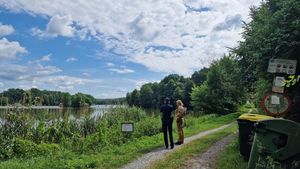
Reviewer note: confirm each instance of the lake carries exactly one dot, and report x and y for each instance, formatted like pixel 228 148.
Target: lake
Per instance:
pixel 42 113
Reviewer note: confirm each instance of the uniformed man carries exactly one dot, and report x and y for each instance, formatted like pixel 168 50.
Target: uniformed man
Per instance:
pixel 167 121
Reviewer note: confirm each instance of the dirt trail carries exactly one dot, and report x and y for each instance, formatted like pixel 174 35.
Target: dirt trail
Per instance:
pixel 207 159
pixel 145 160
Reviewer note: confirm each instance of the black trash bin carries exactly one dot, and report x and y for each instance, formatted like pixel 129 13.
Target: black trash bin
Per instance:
pixel 246 131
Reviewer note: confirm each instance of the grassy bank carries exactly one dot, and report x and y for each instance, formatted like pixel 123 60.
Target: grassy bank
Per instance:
pixel 180 157
pixel 231 158
pixel 109 148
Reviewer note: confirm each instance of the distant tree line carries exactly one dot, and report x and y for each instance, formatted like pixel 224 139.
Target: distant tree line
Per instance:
pixel 115 101
pixel 272 33
pixel 216 89
pixel 44 98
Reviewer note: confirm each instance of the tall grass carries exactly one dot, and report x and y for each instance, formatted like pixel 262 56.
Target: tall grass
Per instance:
pixel 90 142
pixel 231 158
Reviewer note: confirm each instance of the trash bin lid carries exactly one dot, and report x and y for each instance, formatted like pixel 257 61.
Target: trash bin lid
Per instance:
pixel 254 117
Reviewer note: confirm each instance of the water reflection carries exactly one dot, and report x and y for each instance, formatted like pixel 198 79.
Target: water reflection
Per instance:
pixel 49 113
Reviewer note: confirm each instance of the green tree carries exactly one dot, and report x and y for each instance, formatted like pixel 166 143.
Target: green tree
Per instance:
pixel 66 99
pixel 146 96
pixel 3 101
pixel 27 98
pixel 273 32
pixel 222 92
pixel 200 76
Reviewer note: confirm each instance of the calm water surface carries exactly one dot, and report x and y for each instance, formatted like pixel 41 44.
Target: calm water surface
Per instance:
pixel 42 113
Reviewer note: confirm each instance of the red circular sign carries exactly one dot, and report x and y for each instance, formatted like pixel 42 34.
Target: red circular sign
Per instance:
pixel 276 104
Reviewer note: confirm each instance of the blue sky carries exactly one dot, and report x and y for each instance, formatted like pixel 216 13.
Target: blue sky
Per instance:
pixel 109 48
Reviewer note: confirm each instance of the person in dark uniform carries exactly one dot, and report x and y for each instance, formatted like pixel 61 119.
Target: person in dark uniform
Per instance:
pixel 167 121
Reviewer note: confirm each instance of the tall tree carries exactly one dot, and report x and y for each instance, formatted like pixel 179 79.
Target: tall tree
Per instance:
pixel 146 96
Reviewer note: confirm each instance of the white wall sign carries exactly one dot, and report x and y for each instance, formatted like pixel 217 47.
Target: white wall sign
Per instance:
pixel 282 66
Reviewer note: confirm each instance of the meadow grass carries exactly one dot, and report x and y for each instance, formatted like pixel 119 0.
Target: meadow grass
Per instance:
pixel 119 155
pixel 231 158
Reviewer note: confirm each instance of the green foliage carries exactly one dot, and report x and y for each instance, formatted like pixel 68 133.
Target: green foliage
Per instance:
pixel 292 80
pixel 98 150
pixel 146 94
pixel 151 95
pixel 50 98
pixel 262 87
pixel 199 77
pixel 272 33
pixel 222 92
pixel 147 127
pixel 18 133
pixel 3 101
pixel 116 101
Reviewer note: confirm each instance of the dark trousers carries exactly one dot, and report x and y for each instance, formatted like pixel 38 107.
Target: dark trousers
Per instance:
pixel 167 127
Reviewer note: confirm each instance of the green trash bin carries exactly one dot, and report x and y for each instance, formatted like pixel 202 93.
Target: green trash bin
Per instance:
pixel 246 131
pixel 275 145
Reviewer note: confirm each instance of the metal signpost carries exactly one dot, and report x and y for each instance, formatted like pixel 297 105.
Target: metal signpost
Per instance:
pixel 276 103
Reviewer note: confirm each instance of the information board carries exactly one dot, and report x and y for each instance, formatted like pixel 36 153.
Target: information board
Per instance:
pixel 282 66
pixel 127 127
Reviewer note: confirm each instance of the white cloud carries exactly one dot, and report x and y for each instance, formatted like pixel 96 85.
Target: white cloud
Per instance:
pixel 46 58
pixel 121 70
pixel 173 36
pixel 109 64
pixel 10 50
pixel 57 26
pixel 62 82
pixel 6 29
pixel 71 59
pixel 1 84
pixel 86 74
pixel 46 70
pixel 26 76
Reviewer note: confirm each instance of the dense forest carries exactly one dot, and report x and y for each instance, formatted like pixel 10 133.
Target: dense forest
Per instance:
pixel 44 98
pixel 272 33
pixel 115 101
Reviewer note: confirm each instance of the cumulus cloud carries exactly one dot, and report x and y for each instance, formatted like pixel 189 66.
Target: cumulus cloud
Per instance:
pixel 6 29
pixel 61 82
pixel 57 26
pixel 172 36
pixel 12 71
pixel 10 49
pixel 26 76
pixel 46 70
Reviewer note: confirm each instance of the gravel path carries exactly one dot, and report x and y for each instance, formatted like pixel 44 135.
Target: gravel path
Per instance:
pixel 145 160
pixel 207 159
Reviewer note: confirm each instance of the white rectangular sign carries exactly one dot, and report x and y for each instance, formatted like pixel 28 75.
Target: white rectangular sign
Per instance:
pixel 127 127
pixel 282 66
pixel 278 81
pixel 275 100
